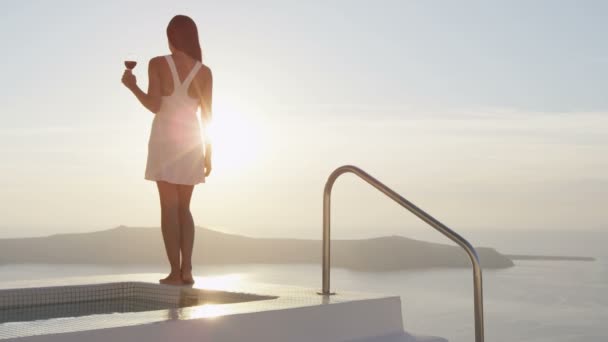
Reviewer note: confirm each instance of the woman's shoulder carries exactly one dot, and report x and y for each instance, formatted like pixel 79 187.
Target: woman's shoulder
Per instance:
pixel 157 62
pixel 205 68
pixel 205 71
pixel 156 58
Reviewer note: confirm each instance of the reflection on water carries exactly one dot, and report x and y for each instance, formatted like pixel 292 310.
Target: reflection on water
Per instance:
pixel 533 301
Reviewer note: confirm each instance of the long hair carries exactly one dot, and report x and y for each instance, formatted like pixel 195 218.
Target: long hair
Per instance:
pixel 183 35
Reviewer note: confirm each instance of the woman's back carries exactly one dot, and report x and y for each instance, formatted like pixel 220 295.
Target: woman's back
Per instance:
pixel 183 65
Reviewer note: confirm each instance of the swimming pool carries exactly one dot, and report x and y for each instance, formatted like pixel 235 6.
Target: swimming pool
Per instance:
pixel 31 304
pixel 221 309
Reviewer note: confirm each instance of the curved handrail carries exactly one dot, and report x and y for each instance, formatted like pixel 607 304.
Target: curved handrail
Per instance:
pixel 452 235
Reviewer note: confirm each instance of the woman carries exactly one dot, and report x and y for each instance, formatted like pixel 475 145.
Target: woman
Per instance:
pixel 177 158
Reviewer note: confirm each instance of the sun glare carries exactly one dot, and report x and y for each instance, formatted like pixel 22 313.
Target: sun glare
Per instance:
pixel 236 139
pixel 207 311
pixel 224 282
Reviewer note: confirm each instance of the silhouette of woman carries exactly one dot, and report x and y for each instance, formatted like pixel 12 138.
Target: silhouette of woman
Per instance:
pixel 177 157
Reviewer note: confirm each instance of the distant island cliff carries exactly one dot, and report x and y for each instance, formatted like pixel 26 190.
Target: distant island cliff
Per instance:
pixel 127 245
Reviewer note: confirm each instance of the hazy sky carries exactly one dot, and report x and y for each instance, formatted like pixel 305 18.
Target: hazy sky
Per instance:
pixel 488 114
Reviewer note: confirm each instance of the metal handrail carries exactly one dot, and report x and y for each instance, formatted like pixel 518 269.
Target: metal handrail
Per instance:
pixel 452 235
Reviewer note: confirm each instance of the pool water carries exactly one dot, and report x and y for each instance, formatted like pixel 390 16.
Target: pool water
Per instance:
pixel 84 308
pixel 32 304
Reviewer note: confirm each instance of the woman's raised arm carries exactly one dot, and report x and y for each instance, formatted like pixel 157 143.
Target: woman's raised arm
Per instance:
pixel 152 99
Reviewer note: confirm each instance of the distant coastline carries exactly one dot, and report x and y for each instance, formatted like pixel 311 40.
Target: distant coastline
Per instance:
pixel 548 257
pixel 144 246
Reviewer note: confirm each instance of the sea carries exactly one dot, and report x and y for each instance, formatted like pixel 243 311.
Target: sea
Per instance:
pixel 534 301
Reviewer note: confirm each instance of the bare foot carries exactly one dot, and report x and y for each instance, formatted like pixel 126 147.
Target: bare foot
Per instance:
pixel 187 277
pixel 172 279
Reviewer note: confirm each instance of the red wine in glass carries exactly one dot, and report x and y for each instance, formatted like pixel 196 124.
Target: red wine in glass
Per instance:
pixel 130 64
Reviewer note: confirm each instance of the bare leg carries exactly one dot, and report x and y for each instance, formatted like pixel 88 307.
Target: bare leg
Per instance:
pixel 187 231
pixel 169 208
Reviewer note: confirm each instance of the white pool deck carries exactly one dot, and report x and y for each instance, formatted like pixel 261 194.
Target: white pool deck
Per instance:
pixel 287 313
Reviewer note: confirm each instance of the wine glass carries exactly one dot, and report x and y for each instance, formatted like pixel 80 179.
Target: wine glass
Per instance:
pixel 130 62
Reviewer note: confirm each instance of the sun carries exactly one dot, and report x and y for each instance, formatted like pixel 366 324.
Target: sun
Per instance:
pixel 235 136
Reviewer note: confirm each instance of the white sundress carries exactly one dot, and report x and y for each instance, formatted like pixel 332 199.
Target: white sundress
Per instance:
pixel 175 148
